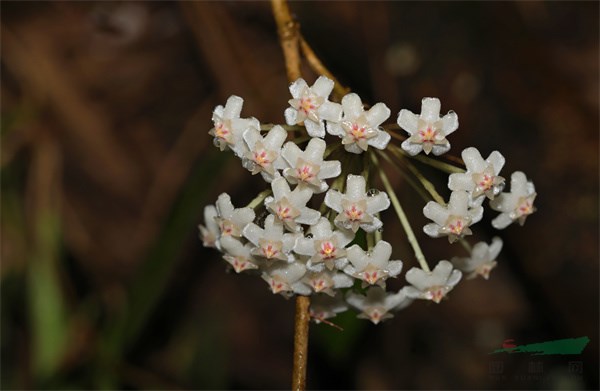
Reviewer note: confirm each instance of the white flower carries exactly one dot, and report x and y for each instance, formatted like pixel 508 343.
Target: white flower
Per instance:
pixel 286 279
pixel 307 168
pixel 238 255
pixel 482 259
pixel 356 208
pixel 481 177
pixel 290 206
pixel 372 267
pixel 229 126
pixel 324 307
pixel 515 205
pixel 310 105
pixel 327 280
pixel 325 247
pixel 264 152
pixel 231 220
pixel 271 243
pixel 432 285
pixel 359 129
pixel 210 233
pixel 452 220
pixel 377 304
pixel 427 131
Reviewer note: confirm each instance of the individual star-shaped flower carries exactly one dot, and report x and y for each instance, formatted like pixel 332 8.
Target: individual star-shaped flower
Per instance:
pixel 372 267
pixel 452 220
pixel 481 177
pixel 427 131
pixel 286 279
pixel 310 105
pixel 482 259
pixel 359 129
pixel 378 304
pixel 290 206
pixel 515 205
pixel 238 255
pixel 271 243
pixel 324 246
pixel 356 208
pixel 307 168
pixel 229 126
pixel 264 152
pixel 432 285
pixel 327 280
pixel 210 233
pixel 324 307
pixel 232 220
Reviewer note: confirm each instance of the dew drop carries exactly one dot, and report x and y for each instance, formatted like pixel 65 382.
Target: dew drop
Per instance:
pixel 216 142
pixel 372 192
pixel 248 164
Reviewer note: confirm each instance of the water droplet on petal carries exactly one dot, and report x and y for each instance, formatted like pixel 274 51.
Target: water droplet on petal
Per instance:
pixel 372 192
pixel 217 142
pixel 380 229
pixel 248 164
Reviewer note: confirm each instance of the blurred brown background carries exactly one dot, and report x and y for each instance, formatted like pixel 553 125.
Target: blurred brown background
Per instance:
pixel 107 164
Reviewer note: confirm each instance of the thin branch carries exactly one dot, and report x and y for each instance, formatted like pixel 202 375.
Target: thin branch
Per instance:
pixel 301 343
pixel 288 37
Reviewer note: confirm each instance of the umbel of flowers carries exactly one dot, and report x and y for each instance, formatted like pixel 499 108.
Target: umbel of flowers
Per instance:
pixel 322 234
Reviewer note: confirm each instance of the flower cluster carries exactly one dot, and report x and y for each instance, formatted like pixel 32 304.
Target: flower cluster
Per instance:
pixel 322 232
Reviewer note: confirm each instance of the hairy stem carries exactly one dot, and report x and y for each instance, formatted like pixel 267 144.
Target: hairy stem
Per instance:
pixel 288 37
pixel 301 343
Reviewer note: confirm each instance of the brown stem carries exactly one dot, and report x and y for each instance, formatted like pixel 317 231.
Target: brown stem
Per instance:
pixel 301 343
pixel 315 63
pixel 288 37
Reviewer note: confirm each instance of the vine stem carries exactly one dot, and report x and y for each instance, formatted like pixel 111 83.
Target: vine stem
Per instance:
pixel 289 39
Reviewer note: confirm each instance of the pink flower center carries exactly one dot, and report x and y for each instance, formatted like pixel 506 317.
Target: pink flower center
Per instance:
pixel 358 132
pixel 354 213
pixel 222 132
pixel 428 135
pixel 307 105
pixel 456 226
pixel 261 158
pixel 269 251
pixel 327 250
pixel 305 173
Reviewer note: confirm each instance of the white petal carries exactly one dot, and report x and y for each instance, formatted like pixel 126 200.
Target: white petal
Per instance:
pixel 476 213
pixel 314 150
pixel 330 169
pixel 381 140
pixel 419 278
pixel 308 216
pixel 408 121
pixel 330 111
pixel 304 246
pixel 413 293
pixel 357 257
pixel 335 129
pixel 233 107
pixel 454 278
pixel 342 280
pixel 289 241
pixel 291 116
pixel 301 288
pixel 497 161
pixel 504 202
pixel 458 204
pixel 449 123
pixel 380 254
pixel 480 251
pixel 432 230
pixel 502 221
pixel 430 109
pixel 280 188
pixel 275 138
pixel 355 187
pixel 411 148
pixel 297 88
pixel 291 152
pixel 495 247
pixel 323 86
pixel 242 216
pixel 210 212
pixel 232 246
pixel 378 202
pixel 353 148
pixel 251 136
pixel 253 233
pixel 373 226
pixel 394 268
pixel 440 149
pixel 436 212
pixel 353 107
pixel 224 205
pixel 459 181
pixel 440 273
pixel 378 114
pixel 322 229
pixel 315 129
pixel 333 199
pixel 473 160
pixel 518 183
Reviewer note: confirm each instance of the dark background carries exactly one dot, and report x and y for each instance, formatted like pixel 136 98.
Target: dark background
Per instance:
pixel 107 165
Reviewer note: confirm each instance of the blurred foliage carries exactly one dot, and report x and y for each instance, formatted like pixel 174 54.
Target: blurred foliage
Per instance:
pixel 106 166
